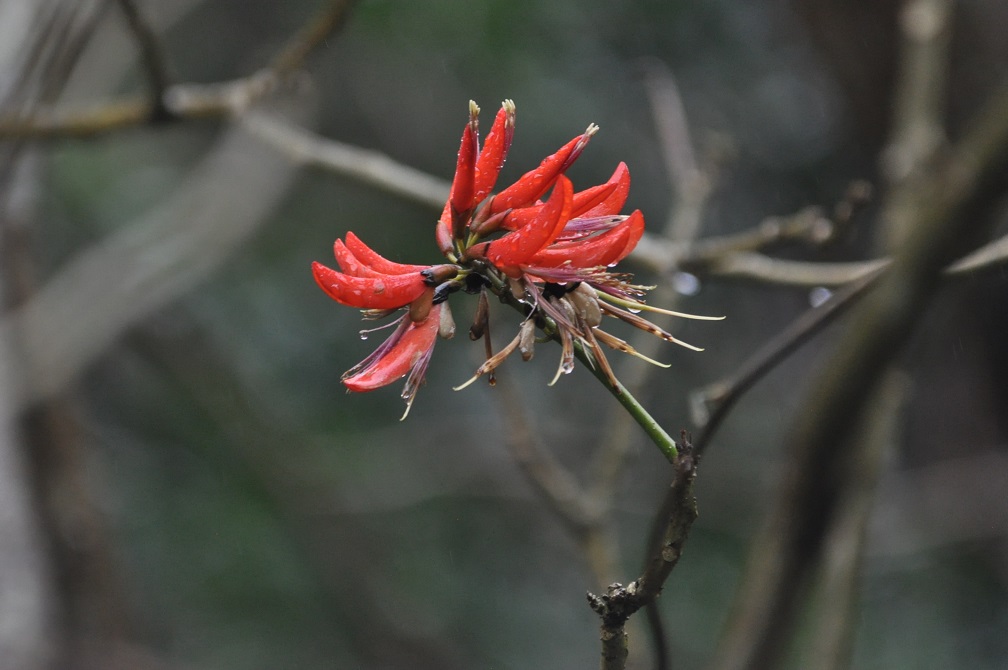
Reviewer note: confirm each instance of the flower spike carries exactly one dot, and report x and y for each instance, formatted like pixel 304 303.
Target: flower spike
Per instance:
pixel 551 259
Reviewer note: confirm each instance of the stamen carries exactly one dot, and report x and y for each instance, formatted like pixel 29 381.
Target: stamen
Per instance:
pixel 599 356
pixel 633 304
pixel 493 362
pixel 566 357
pixel 644 324
pixel 622 345
pixel 415 380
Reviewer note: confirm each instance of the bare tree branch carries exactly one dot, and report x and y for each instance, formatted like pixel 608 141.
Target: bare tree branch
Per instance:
pixel 817 455
pixel 834 609
pixel 364 165
pixel 152 55
pixel 181 101
pixel 151 261
pixel 619 603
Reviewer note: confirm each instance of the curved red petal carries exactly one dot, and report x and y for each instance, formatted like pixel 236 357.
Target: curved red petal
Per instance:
pixel 636 226
pixel 519 246
pixel 585 200
pixel 607 248
pixel 396 363
pixel 614 202
pixel 349 264
pixel 376 261
pixel 462 187
pixel 380 292
pixel 494 152
pixel 582 202
pixel 534 183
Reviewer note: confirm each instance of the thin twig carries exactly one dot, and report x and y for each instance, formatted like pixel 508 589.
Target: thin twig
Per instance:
pixel 189 102
pixel 364 165
pixel 690 188
pixel 921 82
pixel 328 22
pixel 153 56
pixel 711 404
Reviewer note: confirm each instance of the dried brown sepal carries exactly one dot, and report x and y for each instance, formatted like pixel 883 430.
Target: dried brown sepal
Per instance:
pixel 481 322
pixel 446 326
pixel 586 304
pixel 526 339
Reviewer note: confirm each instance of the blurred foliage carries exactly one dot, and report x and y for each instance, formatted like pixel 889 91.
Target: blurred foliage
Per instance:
pixel 266 519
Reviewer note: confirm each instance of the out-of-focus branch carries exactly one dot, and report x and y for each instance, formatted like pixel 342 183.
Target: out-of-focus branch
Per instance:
pixel 77 313
pixel 364 165
pixel 328 22
pixel 180 101
pixel 152 55
pixel 918 123
pixel 834 610
pixel 755 266
pixel 711 404
pixel 585 517
pixel 818 456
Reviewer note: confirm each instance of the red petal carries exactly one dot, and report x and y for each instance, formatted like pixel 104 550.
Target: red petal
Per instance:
pixel 614 202
pixel 462 188
pixel 400 358
pixel 581 202
pixel 380 292
pixel 535 183
pixel 376 261
pixel 590 197
pixel 495 149
pixel 607 248
pixel 519 246
pixel 349 264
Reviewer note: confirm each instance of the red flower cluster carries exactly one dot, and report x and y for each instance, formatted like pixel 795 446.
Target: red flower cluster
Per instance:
pixel 551 262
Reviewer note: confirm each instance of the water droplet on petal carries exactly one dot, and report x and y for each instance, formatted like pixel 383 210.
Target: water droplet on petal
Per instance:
pixel 364 334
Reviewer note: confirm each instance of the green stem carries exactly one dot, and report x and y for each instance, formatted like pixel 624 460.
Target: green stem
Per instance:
pixel 662 440
pixel 653 429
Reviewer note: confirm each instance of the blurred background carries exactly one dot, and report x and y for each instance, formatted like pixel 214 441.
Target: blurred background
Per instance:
pixel 186 483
